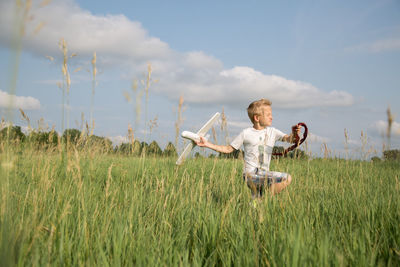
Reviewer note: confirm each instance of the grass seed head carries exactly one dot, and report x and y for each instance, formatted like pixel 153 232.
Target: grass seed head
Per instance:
pixel 94 60
pixel 131 135
pixel 39 27
pixel 92 130
pixel 45 3
pixel 179 120
pixel 24 116
pixel 390 122
pixel 134 85
pixel 127 96
pixel 214 134
pixel 153 124
pixel 50 58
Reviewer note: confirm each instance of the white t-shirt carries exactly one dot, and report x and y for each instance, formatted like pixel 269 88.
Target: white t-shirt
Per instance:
pixel 258 145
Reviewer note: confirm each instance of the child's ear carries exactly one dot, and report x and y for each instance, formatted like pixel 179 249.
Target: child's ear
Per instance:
pixel 256 118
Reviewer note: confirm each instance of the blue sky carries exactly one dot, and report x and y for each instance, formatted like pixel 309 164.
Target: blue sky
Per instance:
pixel 332 64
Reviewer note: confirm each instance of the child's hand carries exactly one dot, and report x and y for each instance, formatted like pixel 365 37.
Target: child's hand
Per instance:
pixel 203 142
pixel 296 131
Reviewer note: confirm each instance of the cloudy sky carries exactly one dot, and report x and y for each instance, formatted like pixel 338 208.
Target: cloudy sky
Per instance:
pixel 331 64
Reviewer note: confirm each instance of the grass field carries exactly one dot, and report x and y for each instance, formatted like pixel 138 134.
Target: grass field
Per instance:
pixel 86 208
pixel 100 210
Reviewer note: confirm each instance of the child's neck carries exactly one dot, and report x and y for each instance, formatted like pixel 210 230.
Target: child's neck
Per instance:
pixel 257 126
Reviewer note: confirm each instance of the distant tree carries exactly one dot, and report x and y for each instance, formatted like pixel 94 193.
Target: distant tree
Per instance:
pixel 129 149
pixel 84 141
pixel 97 142
pixel 53 138
pixel 393 154
pixel 43 139
pixel 38 138
pixel 122 148
pixel 376 159
pixel 136 148
pixel 154 149
pixel 15 134
pixel 296 153
pixel 233 155
pixel 144 147
pixel 71 136
pixel 170 150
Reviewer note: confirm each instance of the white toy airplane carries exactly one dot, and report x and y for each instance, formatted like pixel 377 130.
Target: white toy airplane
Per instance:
pixel 195 137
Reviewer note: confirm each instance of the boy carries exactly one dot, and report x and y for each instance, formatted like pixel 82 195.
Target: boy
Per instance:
pixel 258 142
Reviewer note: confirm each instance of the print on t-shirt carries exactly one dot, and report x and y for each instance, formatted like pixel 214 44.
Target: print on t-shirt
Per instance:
pixel 257 146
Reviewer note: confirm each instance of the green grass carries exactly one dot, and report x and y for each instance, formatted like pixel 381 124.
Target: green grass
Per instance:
pixel 113 210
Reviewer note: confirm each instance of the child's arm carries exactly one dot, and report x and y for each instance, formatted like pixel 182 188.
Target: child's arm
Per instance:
pixel 223 149
pixel 294 136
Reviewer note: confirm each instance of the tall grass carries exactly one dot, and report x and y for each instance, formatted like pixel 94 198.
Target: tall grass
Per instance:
pixel 94 74
pixel 179 120
pixel 111 210
pixel 390 120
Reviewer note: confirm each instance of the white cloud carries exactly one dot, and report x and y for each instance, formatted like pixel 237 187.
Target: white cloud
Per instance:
pixel 113 36
pixel 199 77
pixel 119 139
pixel 23 102
pixel 199 60
pixel 49 82
pixel 385 45
pixel 354 142
pixel 379 46
pixel 380 127
pixel 24 129
pixel 241 85
pixel 313 138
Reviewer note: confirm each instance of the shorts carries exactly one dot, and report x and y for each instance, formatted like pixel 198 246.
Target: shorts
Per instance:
pixel 260 178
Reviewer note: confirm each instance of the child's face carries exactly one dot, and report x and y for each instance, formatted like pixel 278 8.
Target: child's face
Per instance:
pixel 265 119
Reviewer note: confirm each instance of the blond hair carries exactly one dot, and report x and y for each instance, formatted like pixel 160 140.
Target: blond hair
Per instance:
pixel 255 108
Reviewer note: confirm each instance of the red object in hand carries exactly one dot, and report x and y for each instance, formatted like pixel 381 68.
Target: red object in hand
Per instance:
pixel 298 141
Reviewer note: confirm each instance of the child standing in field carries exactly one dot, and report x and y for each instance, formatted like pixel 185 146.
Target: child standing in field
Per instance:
pixel 258 142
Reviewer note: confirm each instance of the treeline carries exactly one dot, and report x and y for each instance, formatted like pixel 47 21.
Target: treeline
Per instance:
pixel 50 140
pixel 142 148
pixel 388 155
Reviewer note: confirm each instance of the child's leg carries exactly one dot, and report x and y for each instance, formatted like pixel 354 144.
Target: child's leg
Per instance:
pixel 275 181
pixel 279 181
pixel 256 184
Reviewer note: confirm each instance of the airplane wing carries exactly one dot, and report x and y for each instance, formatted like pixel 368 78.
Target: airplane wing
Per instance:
pixel 185 153
pixel 208 124
pixel 203 130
